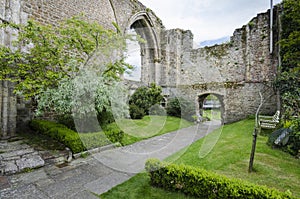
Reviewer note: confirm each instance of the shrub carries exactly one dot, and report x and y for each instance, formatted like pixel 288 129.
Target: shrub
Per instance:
pixel 67 120
pixel 157 110
pixel 204 184
pixel 105 118
pixel 145 97
pixel 136 112
pixel 59 132
pixel 76 142
pixel 180 107
pixel 293 145
pixel 114 133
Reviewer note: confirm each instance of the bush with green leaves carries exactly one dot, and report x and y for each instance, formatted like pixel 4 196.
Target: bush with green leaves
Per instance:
pixel 157 110
pixel 293 145
pixel 59 132
pixel 143 99
pixel 114 133
pixel 182 108
pixel 200 183
pixel 136 112
pixel 77 142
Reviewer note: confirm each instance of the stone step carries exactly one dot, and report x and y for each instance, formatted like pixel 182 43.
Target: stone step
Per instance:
pixel 17 157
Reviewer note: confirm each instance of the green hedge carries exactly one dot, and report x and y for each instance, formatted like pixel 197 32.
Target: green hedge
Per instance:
pixel 59 132
pixel 204 184
pixel 77 143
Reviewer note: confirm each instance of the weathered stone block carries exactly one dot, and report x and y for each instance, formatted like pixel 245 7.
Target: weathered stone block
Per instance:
pixel 30 161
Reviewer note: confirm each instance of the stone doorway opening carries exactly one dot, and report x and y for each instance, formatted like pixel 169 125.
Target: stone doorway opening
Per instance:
pixel 144 53
pixel 211 105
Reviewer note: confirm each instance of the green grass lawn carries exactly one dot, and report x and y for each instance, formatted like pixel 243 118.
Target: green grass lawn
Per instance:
pixel 230 157
pixel 213 114
pixel 149 126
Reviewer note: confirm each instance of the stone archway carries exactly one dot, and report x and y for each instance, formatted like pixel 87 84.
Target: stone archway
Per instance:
pixel 201 104
pixel 150 51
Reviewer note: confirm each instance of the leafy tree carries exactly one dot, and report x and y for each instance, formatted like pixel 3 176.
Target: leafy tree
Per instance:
pixel 46 54
pixel 143 98
pixel 73 68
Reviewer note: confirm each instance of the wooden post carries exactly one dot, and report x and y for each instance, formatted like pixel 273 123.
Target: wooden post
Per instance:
pixel 255 132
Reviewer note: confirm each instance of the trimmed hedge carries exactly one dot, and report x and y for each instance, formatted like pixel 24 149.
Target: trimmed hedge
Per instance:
pixel 59 132
pixel 77 143
pixel 204 184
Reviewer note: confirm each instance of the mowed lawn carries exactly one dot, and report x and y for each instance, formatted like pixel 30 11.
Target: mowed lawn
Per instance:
pixel 230 157
pixel 149 126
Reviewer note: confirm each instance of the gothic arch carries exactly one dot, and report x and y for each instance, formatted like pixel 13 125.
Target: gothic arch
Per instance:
pixel 150 51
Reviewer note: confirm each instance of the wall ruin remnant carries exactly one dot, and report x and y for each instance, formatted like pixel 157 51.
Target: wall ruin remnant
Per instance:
pixel 236 71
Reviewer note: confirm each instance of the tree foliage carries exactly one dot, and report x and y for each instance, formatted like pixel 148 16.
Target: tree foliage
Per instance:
pixel 288 81
pixel 44 54
pixel 73 68
pixel 143 98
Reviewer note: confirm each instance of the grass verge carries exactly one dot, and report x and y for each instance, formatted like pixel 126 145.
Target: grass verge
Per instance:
pixel 230 157
pixel 149 126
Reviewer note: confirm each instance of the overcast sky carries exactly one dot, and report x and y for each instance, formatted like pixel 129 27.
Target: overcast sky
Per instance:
pixel 207 19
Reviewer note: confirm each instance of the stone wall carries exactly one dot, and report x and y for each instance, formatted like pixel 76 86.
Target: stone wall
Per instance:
pixel 123 12
pixel 235 71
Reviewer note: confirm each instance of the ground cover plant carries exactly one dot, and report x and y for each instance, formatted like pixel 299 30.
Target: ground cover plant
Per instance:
pixel 230 157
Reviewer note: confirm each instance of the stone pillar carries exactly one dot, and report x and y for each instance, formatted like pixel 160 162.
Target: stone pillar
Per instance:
pixel 10 11
pixel 8 109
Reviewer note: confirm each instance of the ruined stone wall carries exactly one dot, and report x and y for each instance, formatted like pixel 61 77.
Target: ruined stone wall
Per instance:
pixel 53 11
pixel 237 70
pixel 122 12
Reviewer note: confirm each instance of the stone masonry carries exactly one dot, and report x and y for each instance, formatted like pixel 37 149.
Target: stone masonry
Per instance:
pixel 235 72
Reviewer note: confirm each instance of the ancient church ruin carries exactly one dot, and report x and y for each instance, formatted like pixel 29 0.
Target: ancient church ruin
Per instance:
pixel 235 72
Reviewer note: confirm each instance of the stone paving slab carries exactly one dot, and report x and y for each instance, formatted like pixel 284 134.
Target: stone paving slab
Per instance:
pixel 16 156
pixel 96 174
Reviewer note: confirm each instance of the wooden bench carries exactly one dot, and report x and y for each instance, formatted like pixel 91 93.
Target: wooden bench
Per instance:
pixel 269 122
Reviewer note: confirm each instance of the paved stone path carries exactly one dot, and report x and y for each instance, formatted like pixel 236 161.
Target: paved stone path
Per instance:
pixel 96 174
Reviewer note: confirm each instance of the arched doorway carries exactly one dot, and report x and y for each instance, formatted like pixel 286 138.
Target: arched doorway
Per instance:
pixel 211 105
pixel 133 57
pixel 142 25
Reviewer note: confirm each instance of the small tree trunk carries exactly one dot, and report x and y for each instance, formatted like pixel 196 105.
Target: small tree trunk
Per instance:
pixel 255 133
pixel 253 150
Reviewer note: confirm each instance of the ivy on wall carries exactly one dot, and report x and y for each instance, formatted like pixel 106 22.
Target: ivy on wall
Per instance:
pixel 288 81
